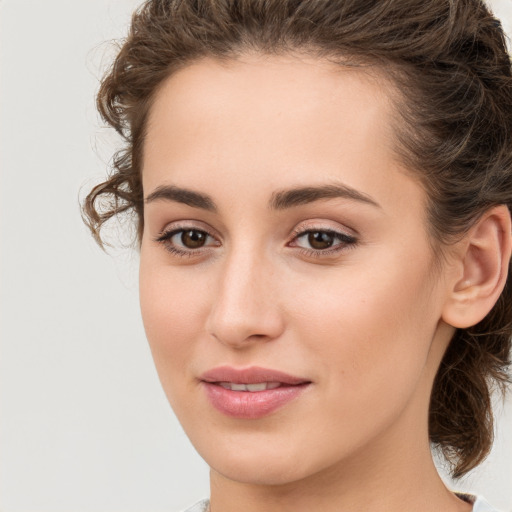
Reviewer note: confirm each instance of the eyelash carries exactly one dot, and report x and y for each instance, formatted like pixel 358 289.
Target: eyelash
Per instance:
pixel 346 241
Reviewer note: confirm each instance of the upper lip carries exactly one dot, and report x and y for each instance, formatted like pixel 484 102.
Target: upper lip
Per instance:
pixel 252 375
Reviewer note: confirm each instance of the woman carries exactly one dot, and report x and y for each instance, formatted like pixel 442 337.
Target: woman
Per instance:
pixel 322 192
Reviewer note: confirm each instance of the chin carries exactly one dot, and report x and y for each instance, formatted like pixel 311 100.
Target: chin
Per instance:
pixel 259 461
pixel 257 471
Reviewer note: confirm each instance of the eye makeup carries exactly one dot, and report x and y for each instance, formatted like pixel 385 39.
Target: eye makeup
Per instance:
pixel 188 241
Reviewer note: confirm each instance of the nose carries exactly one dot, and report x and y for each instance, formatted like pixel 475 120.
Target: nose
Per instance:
pixel 245 307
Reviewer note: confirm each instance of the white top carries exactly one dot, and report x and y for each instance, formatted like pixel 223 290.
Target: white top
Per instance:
pixel 479 504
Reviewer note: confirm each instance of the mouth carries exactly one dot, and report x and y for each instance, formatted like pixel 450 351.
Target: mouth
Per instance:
pixel 252 388
pixel 251 393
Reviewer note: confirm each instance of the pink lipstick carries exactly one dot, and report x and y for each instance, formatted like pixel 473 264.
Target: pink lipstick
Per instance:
pixel 250 393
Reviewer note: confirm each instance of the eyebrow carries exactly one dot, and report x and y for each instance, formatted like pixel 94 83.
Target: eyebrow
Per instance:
pixel 283 199
pixel 279 200
pixel 182 195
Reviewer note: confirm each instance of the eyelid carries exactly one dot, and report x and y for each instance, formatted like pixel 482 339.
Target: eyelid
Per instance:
pixel 165 236
pixel 184 225
pixel 170 233
pixel 322 225
pixel 328 223
pixel 346 237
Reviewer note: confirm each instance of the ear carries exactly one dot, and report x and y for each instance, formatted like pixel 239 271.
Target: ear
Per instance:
pixel 482 268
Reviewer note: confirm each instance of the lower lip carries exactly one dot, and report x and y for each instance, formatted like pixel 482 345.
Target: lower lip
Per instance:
pixel 251 404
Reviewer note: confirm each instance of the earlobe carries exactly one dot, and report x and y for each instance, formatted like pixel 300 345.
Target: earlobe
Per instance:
pixel 484 263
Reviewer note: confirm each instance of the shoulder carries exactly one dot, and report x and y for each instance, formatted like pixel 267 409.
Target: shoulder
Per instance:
pixel 200 506
pixel 480 504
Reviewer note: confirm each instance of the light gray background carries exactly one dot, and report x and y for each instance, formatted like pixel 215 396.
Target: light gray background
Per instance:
pixel 84 425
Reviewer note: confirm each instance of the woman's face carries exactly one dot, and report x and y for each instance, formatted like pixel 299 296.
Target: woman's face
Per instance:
pixel 285 248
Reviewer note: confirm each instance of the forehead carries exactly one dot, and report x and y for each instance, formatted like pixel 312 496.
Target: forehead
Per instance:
pixel 276 77
pixel 259 90
pixel 271 121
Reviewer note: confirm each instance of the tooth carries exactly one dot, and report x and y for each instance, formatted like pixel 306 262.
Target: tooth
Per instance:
pixel 261 386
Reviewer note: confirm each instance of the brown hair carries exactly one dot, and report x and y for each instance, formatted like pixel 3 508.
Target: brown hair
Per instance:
pixel 449 61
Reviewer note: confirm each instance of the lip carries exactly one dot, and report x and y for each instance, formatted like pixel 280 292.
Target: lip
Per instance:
pixel 251 375
pixel 250 404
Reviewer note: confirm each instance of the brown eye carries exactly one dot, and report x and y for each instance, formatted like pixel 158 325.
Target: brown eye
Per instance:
pixel 323 242
pixel 186 241
pixel 320 239
pixel 193 239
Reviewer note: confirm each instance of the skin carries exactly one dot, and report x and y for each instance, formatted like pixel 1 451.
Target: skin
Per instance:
pixel 364 324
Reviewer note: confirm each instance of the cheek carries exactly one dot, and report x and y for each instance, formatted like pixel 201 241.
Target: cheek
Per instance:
pixel 172 307
pixel 370 331
pixel 369 346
